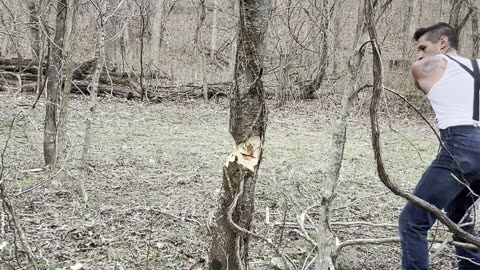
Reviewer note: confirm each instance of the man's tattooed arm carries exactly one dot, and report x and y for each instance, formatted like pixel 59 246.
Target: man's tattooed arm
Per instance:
pixel 430 65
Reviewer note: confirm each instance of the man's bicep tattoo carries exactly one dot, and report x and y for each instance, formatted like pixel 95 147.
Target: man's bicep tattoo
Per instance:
pixel 430 65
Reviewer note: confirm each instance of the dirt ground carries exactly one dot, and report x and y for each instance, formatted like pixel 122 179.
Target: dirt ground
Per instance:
pixel 156 176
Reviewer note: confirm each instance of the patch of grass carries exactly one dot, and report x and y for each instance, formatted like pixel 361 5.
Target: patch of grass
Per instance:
pixel 169 157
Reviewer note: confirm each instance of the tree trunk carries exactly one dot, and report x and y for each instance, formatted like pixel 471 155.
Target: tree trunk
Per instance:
pixel 34 28
pixel 325 235
pixel 100 57
pixel 67 83
pixel 408 26
pixel 247 126
pixel 214 31
pixel 233 46
pixel 125 49
pixel 457 21
pixel 54 82
pixel 337 43
pixel 143 29
pixel 443 10
pixel 475 34
pixel 4 46
pixel 309 90
pixel 157 35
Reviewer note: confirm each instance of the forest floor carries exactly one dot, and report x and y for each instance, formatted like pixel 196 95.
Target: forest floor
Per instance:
pixel 156 178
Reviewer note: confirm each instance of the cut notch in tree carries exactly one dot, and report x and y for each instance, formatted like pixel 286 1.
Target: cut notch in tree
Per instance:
pixel 247 153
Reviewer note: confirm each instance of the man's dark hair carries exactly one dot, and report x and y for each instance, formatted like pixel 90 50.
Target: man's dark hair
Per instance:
pixel 436 31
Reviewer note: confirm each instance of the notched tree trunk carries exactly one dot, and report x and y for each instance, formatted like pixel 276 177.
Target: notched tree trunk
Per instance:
pixel 247 126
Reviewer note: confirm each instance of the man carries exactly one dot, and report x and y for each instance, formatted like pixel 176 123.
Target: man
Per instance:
pixel 448 81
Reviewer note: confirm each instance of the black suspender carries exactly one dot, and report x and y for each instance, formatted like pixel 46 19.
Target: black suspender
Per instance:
pixel 476 87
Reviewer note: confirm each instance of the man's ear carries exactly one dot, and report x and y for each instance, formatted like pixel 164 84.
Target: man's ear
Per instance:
pixel 443 42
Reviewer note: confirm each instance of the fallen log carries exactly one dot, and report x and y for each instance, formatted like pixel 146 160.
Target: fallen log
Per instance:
pixel 20 75
pixel 19 62
pixel 82 87
pixel 7 75
pixel 12 68
pixel 28 87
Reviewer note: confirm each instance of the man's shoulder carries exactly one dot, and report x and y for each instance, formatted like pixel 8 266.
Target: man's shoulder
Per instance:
pixel 427 66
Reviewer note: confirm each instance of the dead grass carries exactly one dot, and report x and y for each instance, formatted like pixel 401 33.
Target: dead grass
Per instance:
pixel 157 175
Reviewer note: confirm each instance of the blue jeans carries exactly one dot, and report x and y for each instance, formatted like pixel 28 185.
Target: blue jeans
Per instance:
pixel 438 187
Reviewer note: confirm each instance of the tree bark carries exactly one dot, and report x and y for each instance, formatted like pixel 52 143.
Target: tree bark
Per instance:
pixel 456 20
pixel 475 34
pixel 54 82
pixel 337 50
pixel 67 83
pixel 34 28
pixel 157 34
pixel 231 235
pixel 143 15
pixel 213 42
pixel 408 26
pixel 198 44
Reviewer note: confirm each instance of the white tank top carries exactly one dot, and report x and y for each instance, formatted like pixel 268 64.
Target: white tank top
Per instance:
pixel 452 96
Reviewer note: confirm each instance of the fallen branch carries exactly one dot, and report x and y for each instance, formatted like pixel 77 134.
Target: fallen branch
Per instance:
pixel 381 241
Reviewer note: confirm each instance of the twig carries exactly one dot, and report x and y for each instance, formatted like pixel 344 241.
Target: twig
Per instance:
pixel 8 207
pixel 284 221
pixel 232 207
pixel 149 240
pixel 382 241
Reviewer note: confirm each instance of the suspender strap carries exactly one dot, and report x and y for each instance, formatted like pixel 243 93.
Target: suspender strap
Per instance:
pixel 476 88
pixel 476 107
pixel 462 65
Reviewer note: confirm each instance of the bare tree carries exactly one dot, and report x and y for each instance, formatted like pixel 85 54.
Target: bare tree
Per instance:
pixel 408 26
pixel 67 82
pixel 100 59
pixel 213 42
pixel 309 89
pixel 457 18
pixel 53 85
pixel 337 25
pixel 475 34
pixel 143 29
pixel 325 235
pixel 231 232
pixel 198 44
pixel 34 28
pixel 157 34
